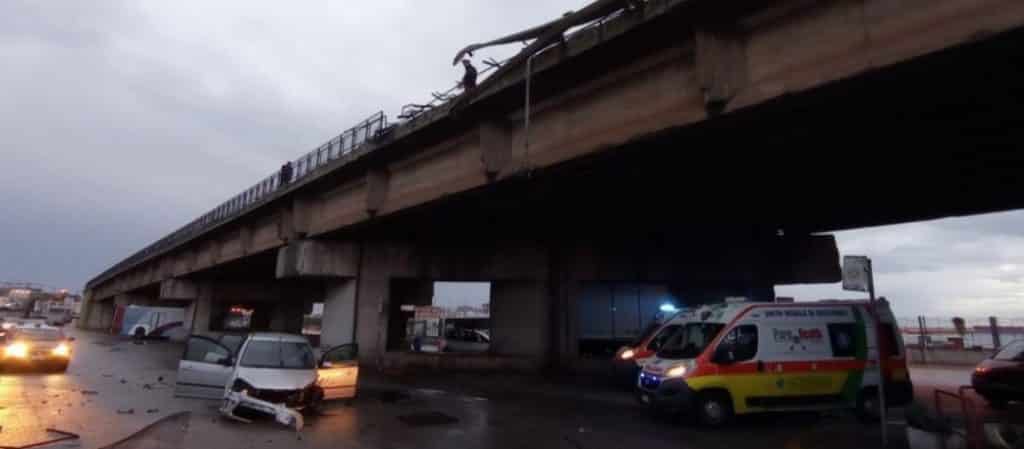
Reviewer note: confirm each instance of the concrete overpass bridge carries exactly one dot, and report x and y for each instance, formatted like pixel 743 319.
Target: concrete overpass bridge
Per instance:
pixel 690 149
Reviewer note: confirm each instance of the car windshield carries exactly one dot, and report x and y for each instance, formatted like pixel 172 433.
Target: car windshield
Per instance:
pixel 1011 352
pixel 278 354
pixel 690 340
pixel 38 334
pixel 651 328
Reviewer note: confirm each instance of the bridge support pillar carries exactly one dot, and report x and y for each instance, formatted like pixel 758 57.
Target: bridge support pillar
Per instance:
pixel 199 312
pixel 287 317
pixel 338 325
pixel 520 316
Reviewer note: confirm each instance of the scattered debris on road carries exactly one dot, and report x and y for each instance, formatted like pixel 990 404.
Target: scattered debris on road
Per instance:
pixel 153 410
pixel 125 411
pixel 280 412
pixel 90 392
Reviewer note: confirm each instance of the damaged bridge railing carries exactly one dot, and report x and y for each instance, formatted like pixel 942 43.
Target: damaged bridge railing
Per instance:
pixel 336 148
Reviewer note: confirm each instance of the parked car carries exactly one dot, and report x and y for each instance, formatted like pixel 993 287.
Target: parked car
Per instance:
pixel 274 368
pixel 1000 378
pixel 35 346
pixel 739 358
pixel 467 340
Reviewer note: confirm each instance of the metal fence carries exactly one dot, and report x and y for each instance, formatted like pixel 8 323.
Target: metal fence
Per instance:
pixel 977 332
pixel 336 148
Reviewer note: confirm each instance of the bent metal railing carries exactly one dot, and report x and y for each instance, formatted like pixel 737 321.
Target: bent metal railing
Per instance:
pixel 340 146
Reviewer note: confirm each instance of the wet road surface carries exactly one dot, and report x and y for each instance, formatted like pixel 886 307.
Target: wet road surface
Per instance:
pixel 113 389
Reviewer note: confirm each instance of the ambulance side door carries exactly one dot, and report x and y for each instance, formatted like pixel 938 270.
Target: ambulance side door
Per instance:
pixel 801 364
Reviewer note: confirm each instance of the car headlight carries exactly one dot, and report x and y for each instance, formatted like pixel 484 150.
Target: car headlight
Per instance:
pixel 62 350
pixel 627 354
pixel 17 350
pixel 676 371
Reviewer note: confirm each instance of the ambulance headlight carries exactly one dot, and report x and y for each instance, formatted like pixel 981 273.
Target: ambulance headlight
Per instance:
pixel 62 350
pixel 16 350
pixel 676 371
pixel 627 354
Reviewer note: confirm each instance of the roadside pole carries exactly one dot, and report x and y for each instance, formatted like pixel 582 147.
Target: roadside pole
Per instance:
pixel 883 413
pixel 859 276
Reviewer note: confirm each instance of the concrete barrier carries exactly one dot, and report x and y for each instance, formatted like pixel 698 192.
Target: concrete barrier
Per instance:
pixel 947 356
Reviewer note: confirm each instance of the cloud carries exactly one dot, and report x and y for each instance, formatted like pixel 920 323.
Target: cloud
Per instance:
pixel 960 266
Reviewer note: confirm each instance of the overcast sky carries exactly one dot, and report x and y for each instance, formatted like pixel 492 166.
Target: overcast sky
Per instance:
pixel 122 120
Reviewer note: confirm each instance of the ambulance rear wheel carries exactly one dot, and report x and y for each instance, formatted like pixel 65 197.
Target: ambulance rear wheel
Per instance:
pixel 714 408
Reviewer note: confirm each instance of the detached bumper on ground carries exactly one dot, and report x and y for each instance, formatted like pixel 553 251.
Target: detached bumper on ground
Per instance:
pixel 281 413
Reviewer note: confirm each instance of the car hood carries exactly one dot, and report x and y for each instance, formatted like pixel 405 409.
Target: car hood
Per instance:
pixel 277 379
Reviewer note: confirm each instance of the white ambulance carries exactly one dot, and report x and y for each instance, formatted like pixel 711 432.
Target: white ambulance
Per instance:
pixel 748 357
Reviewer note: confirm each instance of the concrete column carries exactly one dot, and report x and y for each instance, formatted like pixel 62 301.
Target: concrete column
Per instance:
pixel 85 313
pixel 339 321
pixel 371 314
pixel 520 319
pixel 105 317
pixel 287 317
pixel 199 312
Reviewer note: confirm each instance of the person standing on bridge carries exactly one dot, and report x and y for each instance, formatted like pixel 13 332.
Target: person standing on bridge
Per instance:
pixel 285 176
pixel 469 77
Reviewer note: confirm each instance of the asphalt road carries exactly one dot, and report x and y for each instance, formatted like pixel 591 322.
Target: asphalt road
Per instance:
pixel 113 389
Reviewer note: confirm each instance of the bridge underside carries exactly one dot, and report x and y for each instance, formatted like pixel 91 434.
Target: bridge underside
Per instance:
pixel 940 136
pixel 714 207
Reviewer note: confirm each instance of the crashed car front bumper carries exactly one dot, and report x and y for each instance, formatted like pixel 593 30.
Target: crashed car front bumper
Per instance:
pixel 281 413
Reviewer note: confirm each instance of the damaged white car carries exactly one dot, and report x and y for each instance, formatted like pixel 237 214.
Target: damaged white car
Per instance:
pixel 272 373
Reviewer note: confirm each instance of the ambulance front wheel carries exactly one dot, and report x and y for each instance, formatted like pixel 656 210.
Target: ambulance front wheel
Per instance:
pixel 714 408
pixel 868 406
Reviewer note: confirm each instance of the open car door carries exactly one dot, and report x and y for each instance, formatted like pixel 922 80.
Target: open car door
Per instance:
pixel 339 372
pixel 204 369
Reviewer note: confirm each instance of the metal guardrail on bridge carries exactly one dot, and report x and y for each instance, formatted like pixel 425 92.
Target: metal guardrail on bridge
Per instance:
pixel 341 145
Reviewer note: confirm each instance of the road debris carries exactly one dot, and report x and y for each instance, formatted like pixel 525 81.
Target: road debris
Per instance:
pixel 125 411
pixel 147 387
pixel 61 436
pixel 280 412
pixel 90 392
pixel 123 381
pixel 153 410
pixel 160 379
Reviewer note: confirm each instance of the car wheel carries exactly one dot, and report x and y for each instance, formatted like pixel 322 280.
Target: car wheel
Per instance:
pixel 868 406
pixel 714 409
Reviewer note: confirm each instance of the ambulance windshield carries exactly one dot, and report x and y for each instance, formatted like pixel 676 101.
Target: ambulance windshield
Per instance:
pixel 690 340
